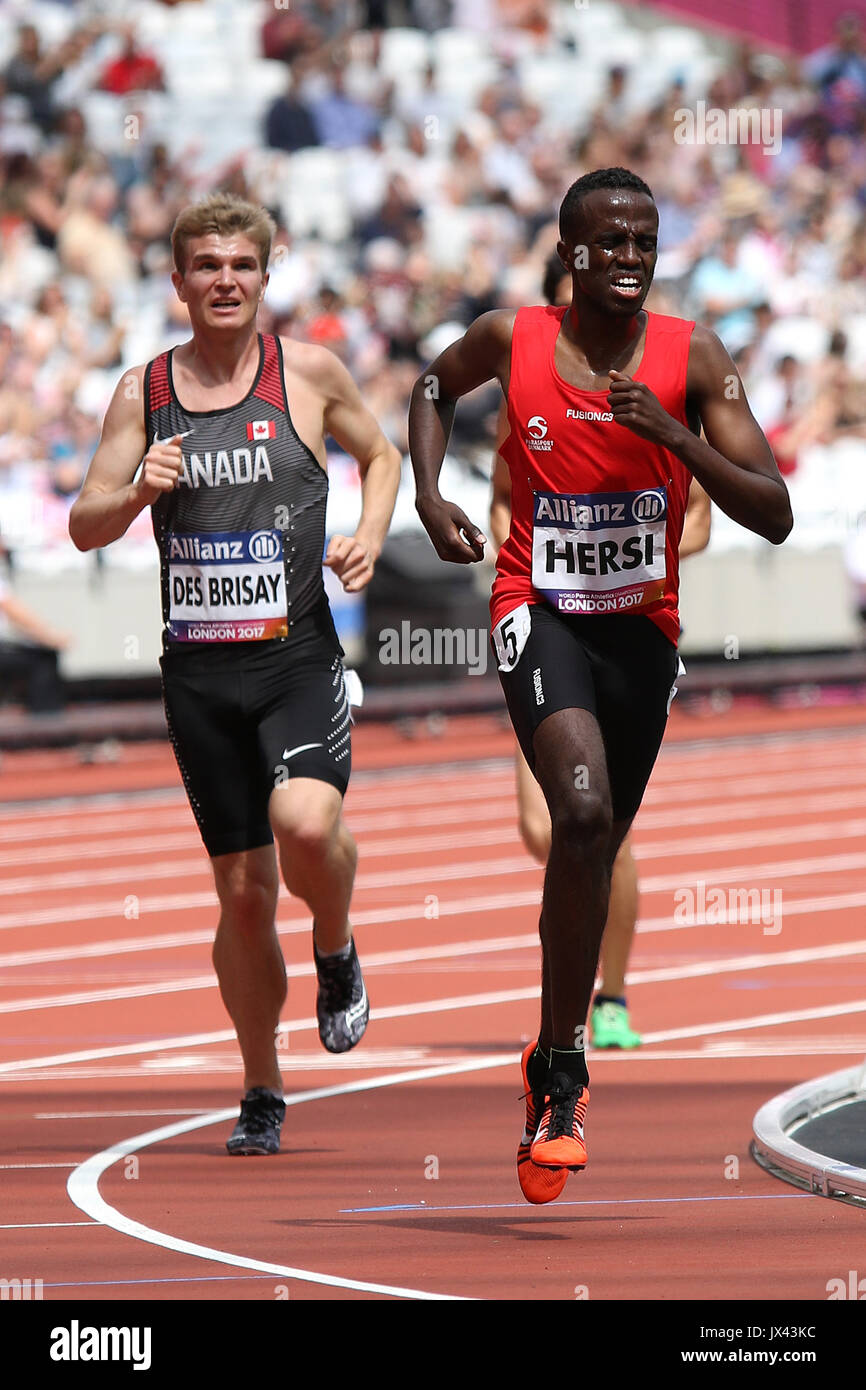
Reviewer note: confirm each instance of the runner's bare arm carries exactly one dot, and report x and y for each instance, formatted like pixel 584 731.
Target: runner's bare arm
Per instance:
pixel 350 423
pixel 697 522
pixel 482 353
pixel 734 463
pixel 109 500
pixel 500 501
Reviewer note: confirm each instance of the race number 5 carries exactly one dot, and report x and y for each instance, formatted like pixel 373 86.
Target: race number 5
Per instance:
pixel 509 636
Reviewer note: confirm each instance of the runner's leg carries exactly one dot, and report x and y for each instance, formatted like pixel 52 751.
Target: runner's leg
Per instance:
pixel 621 920
pixel 318 855
pixel 248 960
pixel 534 823
pixel 578 869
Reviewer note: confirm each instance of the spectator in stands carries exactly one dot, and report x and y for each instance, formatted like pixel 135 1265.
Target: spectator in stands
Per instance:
pixel 326 325
pixel 134 70
pixel 71 452
pixel 31 74
pixel 104 332
pixel 339 119
pixel 90 244
pixel 780 406
pixel 725 294
pixel 841 61
pixel 303 28
pixel 289 123
pixel 398 219
pixel 25 194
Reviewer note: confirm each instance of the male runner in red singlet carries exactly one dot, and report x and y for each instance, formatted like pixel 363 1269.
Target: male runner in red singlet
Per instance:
pixel 231 429
pixel 605 404
pixel 609 1022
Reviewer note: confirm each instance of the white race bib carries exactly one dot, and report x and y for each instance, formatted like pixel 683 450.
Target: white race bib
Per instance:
pixel 601 552
pixel 226 586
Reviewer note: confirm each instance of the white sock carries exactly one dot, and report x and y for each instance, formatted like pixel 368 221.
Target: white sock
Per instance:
pixel 341 954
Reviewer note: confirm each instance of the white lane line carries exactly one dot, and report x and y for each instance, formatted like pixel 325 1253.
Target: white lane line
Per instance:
pixel 198 867
pixel 678 768
pixel 372 960
pixel 757 809
pixel 37 1165
pixel 756 961
pixel 723 965
pixel 420 793
pixel 774 873
pixel 452 950
pixel 502 808
pixel 427 1006
pixel 764 960
pixel 50 1225
pixel 178 902
pixel 422 877
pixel 714 785
pixel 800 834
pixel 112 1114
pixel 733 1025
pixel 167 870
pixel 731 1048
pixel 83 1184
pixel 414 912
pixel 744 785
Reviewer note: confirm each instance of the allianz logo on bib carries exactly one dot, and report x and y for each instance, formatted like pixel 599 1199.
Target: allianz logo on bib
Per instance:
pixel 217 547
pixel 537 428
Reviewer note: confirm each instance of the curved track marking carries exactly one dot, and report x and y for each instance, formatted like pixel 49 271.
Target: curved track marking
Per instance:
pixel 83 1183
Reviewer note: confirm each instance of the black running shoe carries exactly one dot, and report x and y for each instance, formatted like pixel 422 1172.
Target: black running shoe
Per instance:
pixel 342 1007
pixel 258 1129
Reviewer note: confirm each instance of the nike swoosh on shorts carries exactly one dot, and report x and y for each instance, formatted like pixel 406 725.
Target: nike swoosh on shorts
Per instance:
pixel 301 748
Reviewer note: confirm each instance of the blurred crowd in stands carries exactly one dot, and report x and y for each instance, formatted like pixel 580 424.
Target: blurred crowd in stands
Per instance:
pixel 408 207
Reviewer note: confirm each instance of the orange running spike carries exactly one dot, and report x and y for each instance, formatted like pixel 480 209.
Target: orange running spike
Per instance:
pixel 559 1142
pixel 537 1184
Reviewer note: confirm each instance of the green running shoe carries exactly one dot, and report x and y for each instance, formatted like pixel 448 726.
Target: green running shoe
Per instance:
pixel 609 1027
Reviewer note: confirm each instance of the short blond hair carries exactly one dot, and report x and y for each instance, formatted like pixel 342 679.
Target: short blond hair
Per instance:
pixel 222 214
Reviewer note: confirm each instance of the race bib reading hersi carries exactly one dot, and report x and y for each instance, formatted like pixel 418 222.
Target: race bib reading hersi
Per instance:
pixel 226 586
pixel 599 552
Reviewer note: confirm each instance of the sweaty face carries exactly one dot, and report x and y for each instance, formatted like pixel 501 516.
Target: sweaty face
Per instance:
pixel 222 281
pixel 612 245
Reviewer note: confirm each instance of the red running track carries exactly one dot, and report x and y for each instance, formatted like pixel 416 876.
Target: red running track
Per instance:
pixel 119 1073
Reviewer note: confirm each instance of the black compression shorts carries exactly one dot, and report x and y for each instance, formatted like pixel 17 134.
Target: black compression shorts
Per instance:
pixel 245 716
pixel 620 667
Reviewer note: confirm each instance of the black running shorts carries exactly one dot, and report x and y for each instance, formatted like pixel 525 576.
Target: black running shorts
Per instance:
pixel 243 717
pixel 620 667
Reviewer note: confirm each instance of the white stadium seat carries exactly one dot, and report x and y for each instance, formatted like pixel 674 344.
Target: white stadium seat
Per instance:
pixel 268 79
pixel 454 48
pixel 798 336
pixel 581 21
pixel 403 51
pixel 569 85
pixel 466 80
pixel 624 48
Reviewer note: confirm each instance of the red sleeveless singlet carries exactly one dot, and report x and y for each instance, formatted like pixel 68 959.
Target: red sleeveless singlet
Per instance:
pixel 596 511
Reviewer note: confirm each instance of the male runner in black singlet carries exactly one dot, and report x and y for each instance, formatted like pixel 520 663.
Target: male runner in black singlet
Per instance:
pixel 231 429
pixel 605 404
